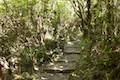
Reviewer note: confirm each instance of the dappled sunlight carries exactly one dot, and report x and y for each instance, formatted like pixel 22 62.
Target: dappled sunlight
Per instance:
pixel 59 39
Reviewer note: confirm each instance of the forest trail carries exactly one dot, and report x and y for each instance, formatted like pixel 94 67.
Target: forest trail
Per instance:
pixel 64 64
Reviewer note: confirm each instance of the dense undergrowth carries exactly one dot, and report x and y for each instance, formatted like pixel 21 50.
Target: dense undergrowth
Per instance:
pixel 33 32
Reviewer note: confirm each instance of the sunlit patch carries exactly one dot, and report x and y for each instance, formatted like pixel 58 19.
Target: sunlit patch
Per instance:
pixel 48 36
pixel 75 75
pixel 43 78
pixel 55 68
pixel 51 64
pixel 36 68
pixel 51 74
pixel 4 63
pixel 66 61
pixel 55 59
pixel 70 43
pixel 61 67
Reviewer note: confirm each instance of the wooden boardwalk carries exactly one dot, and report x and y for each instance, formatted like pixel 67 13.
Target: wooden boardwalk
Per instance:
pixel 63 65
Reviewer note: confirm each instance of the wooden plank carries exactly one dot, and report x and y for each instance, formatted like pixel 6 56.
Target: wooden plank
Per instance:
pixel 68 58
pixel 60 67
pixel 54 76
pixel 72 47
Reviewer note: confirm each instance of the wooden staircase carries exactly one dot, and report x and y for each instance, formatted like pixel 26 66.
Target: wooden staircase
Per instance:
pixel 64 64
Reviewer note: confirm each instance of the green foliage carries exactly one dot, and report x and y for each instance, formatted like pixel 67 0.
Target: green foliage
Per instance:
pixel 31 30
pixel 36 30
pixel 100 60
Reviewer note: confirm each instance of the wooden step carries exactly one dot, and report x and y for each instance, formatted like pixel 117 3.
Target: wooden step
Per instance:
pixel 72 50
pixel 73 44
pixel 55 76
pixel 72 47
pixel 68 58
pixel 59 67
